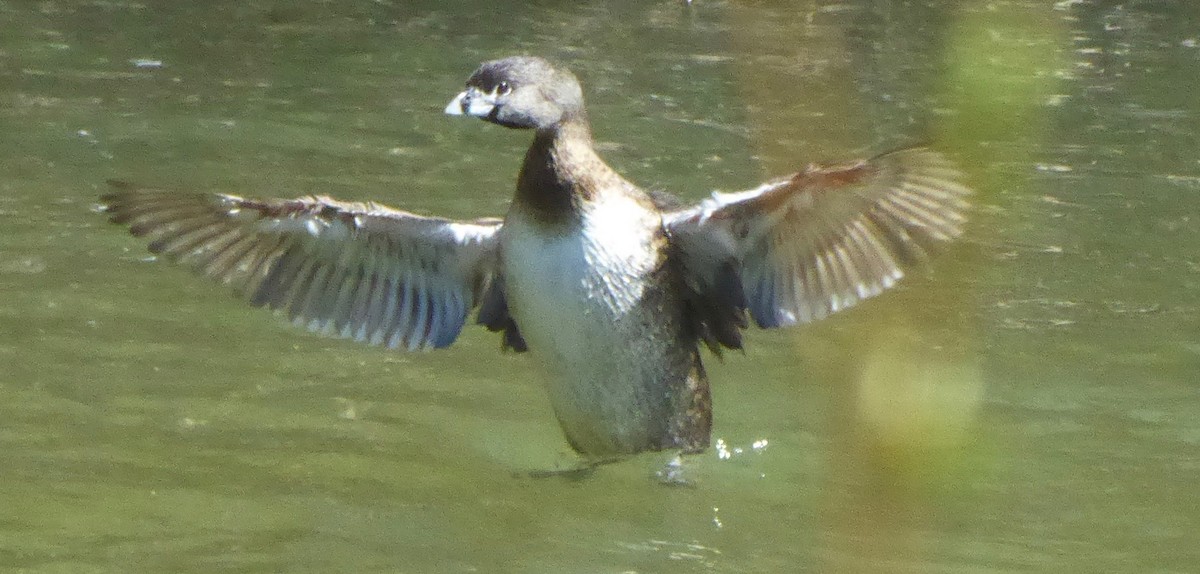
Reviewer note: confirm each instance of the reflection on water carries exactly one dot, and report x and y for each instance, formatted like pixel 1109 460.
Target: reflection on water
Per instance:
pixel 1029 404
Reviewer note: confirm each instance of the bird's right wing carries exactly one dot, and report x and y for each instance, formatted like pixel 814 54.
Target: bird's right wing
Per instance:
pixel 361 271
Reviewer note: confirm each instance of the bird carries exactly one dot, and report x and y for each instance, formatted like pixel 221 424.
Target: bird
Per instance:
pixel 614 289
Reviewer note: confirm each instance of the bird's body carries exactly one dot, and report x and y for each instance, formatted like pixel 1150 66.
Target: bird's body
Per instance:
pixel 590 284
pixel 613 289
pixel 610 333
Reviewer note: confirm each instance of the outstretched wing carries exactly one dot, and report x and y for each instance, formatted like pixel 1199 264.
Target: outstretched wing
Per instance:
pixel 354 270
pixel 825 238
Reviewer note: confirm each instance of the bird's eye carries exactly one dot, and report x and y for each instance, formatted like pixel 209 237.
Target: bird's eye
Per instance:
pixel 503 88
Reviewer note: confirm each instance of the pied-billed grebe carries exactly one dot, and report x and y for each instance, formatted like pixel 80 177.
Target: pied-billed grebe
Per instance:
pixel 614 288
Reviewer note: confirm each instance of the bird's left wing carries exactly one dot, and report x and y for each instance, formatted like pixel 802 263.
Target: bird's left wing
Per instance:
pixel 821 240
pixel 354 270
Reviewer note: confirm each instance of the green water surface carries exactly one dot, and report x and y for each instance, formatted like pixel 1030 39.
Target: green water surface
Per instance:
pixel 1030 402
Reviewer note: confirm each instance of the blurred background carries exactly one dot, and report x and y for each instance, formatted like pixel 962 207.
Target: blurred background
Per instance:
pixel 1028 402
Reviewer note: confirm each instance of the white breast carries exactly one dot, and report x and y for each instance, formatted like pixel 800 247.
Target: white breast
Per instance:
pixel 575 299
pixel 561 286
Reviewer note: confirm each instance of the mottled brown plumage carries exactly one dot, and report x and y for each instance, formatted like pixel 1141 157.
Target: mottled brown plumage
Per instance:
pixel 615 289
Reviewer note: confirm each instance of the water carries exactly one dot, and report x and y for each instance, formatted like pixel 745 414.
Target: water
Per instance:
pixel 1029 403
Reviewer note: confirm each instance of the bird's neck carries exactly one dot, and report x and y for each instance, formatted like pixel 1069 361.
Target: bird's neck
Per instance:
pixel 562 172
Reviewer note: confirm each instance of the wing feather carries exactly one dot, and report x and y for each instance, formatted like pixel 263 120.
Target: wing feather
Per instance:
pixel 828 237
pixel 361 271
